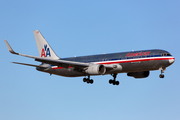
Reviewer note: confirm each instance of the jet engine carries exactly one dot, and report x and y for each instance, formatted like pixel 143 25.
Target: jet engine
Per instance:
pixel 142 74
pixel 95 69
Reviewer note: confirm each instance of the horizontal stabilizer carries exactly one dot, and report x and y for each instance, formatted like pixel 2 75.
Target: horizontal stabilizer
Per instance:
pixel 29 65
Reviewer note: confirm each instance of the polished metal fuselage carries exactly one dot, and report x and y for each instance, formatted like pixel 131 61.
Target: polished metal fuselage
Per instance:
pixel 133 61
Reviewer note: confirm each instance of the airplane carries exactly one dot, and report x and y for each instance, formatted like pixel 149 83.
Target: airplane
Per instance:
pixel 137 64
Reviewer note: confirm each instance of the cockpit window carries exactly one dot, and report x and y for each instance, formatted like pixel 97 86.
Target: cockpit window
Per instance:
pixel 166 54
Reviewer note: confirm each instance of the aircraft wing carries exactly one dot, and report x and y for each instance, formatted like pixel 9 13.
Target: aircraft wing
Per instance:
pixel 56 62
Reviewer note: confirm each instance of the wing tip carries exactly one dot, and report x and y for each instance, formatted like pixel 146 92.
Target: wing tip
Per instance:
pixel 9 47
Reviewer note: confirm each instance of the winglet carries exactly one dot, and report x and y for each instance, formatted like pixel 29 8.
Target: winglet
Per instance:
pixel 9 48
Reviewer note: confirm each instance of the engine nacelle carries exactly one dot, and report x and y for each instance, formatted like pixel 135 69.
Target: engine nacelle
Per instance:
pixel 142 74
pixel 95 69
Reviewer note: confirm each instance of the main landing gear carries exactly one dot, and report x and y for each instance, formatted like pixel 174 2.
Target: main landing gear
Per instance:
pixel 162 71
pixel 88 80
pixel 114 82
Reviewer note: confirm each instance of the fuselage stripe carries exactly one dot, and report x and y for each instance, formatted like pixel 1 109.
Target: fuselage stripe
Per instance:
pixel 135 60
pixel 126 61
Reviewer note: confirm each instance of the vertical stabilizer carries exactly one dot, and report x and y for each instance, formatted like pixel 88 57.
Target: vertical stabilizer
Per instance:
pixel 44 48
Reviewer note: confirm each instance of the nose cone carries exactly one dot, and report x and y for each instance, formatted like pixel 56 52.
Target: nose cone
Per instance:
pixel 171 61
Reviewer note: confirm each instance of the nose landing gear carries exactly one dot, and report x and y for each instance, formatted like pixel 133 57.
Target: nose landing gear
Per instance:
pixel 162 71
pixel 114 82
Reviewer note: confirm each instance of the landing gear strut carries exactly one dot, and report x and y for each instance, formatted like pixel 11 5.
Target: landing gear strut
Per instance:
pixel 114 82
pixel 88 80
pixel 162 71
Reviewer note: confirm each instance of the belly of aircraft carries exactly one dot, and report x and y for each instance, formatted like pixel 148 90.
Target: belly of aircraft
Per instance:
pixel 144 65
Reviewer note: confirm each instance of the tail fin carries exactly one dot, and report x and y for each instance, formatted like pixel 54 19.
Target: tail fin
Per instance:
pixel 44 48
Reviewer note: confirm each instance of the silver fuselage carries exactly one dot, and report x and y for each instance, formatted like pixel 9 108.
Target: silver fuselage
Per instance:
pixel 124 62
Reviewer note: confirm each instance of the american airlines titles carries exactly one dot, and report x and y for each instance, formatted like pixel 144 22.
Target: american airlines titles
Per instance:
pixel 138 54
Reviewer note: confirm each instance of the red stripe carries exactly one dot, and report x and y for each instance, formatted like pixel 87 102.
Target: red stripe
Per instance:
pixel 128 61
pixel 60 67
pixel 139 60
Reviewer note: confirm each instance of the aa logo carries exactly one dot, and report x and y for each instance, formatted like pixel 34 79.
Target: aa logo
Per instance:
pixel 45 51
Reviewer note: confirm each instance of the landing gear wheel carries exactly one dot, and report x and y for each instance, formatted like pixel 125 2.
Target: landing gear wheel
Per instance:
pixel 91 81
pixel 117 82
pixel 161 76
pixel 162 71
pixel 88 80
pixel 114 82
pixel 84 80
pixel 110 81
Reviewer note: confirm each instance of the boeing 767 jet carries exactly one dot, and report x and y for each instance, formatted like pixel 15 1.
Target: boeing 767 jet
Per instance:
pixel 137 64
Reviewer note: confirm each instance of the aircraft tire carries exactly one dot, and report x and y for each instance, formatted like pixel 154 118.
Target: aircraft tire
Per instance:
pixel 91 81
pixel 84 80
pixel 117 82
pixel 110 81
pixel 88 81
pixel 114 82
pixel 161 76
